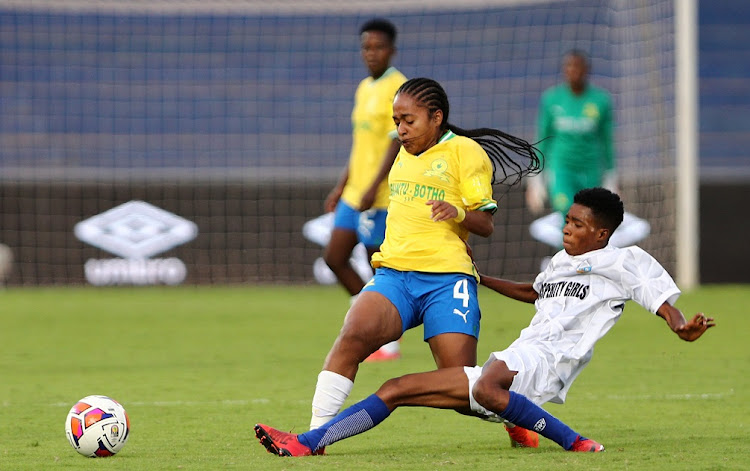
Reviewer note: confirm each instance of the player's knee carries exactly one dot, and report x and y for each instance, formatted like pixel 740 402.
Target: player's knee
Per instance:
pixel 484 393
pixel 390 392
pixel 355 343
pixel 488 390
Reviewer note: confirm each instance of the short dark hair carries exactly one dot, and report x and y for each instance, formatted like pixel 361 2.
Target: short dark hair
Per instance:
pixel 606 206
pixel 580 53
pixel 382 25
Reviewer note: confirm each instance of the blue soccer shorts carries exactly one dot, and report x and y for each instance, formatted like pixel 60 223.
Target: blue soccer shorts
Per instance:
pixel 369 225
pixel 443 302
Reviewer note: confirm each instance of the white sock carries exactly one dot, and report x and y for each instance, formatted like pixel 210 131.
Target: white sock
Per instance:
pixel 392 347
pixel 330 393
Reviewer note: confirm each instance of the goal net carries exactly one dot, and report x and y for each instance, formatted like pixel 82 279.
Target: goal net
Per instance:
pixel 233 117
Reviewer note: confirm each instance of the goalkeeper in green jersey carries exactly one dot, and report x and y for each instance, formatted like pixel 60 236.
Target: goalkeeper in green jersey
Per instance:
pixel 575 134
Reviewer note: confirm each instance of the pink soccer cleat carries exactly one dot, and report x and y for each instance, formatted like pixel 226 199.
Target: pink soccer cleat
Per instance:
pixel 586 445
pixel 523 438
pixel 280 443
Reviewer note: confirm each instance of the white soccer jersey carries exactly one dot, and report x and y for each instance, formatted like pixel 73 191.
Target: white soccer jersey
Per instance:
pixel 580 299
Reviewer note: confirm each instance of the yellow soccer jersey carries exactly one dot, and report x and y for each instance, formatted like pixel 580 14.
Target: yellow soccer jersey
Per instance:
pixel 372 133
pixel 456 170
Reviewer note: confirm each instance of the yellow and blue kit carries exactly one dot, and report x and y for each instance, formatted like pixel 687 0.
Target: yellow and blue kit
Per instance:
pixel 372 133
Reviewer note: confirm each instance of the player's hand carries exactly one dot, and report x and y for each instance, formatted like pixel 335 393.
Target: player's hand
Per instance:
pixel 693 329
pixel 442 211
pixel 332 200
pixel 367 200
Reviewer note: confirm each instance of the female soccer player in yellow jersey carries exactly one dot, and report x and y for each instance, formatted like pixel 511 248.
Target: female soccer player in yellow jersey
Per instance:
pixel 440 191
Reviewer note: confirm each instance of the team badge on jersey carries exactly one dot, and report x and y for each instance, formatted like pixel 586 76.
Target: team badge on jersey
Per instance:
pixel 438 169
pixel 590 110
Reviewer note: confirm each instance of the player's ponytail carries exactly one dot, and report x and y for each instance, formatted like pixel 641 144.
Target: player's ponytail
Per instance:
pixel 512 157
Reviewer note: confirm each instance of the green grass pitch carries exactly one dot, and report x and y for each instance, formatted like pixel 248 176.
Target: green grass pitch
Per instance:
pixel 197 367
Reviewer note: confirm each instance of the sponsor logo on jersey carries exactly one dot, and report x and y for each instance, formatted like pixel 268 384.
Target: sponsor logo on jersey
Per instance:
pixel 135 231
pixel 572 289
pixel 583 268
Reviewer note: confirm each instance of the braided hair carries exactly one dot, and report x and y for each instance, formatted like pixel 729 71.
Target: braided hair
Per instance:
pixel 512 157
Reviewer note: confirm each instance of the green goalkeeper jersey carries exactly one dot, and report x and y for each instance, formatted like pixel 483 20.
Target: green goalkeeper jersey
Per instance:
pixel 576 130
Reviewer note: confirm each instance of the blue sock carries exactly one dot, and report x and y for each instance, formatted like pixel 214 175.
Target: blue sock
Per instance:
pixel 523 412
pixel 358 418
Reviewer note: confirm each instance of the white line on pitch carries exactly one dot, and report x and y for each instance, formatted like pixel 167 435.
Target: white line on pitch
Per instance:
pixel 652 397
pixel 245 402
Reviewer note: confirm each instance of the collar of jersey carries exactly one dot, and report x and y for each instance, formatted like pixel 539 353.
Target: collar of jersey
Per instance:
pixel 387 72
pixel 446 137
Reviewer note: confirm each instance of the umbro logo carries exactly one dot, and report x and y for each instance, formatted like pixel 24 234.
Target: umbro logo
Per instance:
pixel 135 231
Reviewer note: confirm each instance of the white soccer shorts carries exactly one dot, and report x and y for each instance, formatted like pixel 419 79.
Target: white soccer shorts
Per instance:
pixel 536 378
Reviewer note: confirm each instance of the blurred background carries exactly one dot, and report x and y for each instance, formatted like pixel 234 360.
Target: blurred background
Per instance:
pixel 234 116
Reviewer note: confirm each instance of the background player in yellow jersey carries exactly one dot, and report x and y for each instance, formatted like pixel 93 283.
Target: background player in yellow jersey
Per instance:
pixel 441 189
pixel 360 198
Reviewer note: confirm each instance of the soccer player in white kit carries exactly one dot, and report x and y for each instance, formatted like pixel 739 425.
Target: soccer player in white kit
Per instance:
pixel 578 298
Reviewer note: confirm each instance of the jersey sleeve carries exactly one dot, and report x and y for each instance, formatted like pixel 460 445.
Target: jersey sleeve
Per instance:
pixel 647 281
pixel 476 179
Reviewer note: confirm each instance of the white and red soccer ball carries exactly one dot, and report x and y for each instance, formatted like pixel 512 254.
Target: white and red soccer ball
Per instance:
pixel 97 426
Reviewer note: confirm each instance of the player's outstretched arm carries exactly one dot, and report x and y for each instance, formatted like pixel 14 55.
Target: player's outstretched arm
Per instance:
pixel 686 330
pixel 512 289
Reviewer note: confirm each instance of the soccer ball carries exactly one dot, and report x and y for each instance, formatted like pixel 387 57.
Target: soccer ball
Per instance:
pixel 97 426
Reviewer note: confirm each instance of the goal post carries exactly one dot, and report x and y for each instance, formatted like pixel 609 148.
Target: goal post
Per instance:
pixel 686 110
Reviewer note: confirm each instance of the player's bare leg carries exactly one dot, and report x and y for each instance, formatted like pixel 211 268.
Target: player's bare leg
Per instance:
pixel 371 322
pixel 391 350
pixel 453 349
pixel 446 388
pixel 337 255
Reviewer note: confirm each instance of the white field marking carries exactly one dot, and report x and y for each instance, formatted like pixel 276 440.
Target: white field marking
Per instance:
pixel 225 402
pixel 244 402
pixel 652 397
